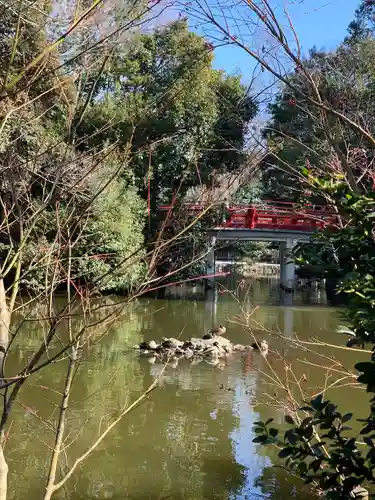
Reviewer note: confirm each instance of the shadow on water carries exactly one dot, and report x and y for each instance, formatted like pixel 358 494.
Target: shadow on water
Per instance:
pixel 193 438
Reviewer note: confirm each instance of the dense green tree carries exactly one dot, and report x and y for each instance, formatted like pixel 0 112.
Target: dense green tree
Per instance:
pixel 187 122
pixel 155 118
pixel 181 122
pixel 363 24
pixel 300 135
pixel 49 190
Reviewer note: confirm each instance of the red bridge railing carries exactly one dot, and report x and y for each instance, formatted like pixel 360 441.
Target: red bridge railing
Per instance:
pixel 270 215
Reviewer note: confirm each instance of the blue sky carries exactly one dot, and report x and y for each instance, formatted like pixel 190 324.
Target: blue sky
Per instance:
pixel 322 23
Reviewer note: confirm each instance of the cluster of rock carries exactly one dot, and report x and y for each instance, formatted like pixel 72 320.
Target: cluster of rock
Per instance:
pixel 210 346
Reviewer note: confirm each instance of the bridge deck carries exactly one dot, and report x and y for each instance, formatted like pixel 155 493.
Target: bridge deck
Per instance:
pixel 270 235
pixel 267 221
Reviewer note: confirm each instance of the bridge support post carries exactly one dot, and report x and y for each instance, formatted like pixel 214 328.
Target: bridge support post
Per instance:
pixel 287 266
pixel 210 263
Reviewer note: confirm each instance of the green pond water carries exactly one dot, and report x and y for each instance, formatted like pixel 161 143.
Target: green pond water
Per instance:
pixel 192 438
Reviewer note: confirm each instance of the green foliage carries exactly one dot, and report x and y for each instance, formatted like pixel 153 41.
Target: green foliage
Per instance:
pixel 186 257
pixel 186 121
pixel 362 26
pixel 167 116
pixel 299 136
pixel 112 244
pixel 152 113
pixel 258 252
pixel 106 246
pixel 249 193
pixel 349 254
pixel 318 448
pixel 47 186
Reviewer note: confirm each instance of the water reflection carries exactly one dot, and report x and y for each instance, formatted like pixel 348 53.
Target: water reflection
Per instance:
pixel 211 297
pixel 193 438
pixel 286 300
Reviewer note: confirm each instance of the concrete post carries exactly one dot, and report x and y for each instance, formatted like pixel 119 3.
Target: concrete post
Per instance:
pixel 286 298
pixel 282 260
pixel 287 265
pixel 210 263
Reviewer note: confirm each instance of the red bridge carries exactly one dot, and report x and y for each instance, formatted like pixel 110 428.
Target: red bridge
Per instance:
pixel 270 215
pixel 280 222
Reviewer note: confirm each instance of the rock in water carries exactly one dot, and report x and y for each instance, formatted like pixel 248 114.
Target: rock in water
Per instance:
pixel 176 343
pixel 189 353
pixel 210 347
pixel 227 349
pixel 222 341
pixel 211 351
pixel 197 343
pixel 212 361
pixel 148 345
pixel 239 348
pixel 188 345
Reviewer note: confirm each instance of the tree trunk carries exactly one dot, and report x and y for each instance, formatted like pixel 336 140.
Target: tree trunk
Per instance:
pixel 3 475
pixel 4 342
pixel 4 329
pixel 50 488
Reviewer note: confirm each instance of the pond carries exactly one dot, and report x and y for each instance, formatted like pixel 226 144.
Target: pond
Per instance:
pixel 192 438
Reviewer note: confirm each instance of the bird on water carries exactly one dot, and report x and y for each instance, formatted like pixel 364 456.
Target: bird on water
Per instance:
pixel 220 330
pixel 261 346
pixel 215 332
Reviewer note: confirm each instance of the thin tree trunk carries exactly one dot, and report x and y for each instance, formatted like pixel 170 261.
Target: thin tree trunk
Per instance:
pixel 51 480
pixel 4 342
pixel 4 328
pixel 50 488
pixel 3 474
